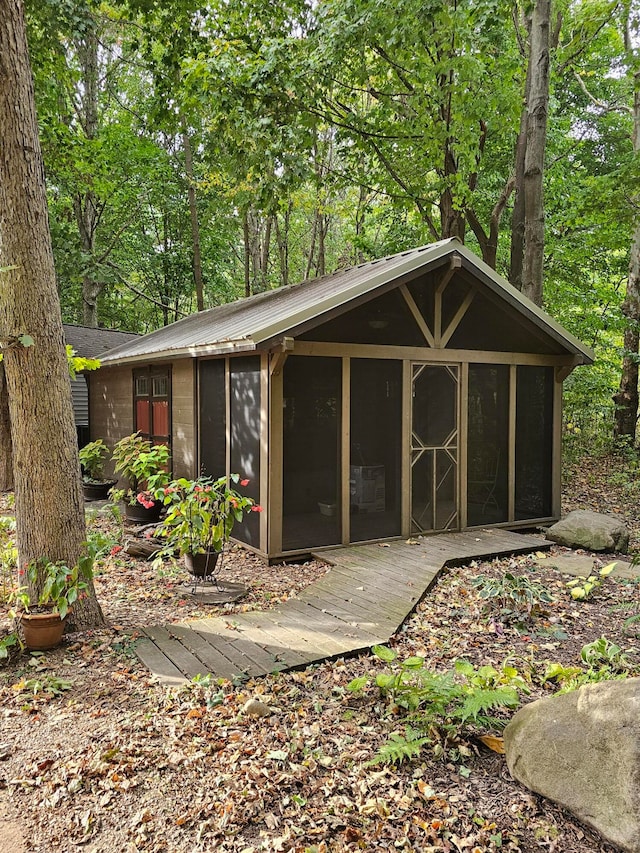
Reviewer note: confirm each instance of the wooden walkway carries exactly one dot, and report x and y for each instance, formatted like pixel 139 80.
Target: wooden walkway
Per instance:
pixel 364 598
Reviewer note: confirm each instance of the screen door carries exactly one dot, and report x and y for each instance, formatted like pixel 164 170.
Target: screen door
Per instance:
pixel 434 447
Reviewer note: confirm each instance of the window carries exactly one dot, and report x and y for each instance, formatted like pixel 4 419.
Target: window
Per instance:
pixel 152 404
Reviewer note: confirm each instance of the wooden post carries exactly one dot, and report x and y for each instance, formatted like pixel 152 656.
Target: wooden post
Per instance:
pixel 464 435
pixel 345 452
pixel 405 481
pixel 556 453
pixel 513 376
pixel 274 517
pixel 264 452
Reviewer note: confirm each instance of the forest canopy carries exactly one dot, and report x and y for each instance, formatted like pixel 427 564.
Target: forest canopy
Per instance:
pixel 199 152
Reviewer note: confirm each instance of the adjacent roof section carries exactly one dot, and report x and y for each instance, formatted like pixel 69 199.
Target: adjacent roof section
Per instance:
pixel 256 320
pixel 90 342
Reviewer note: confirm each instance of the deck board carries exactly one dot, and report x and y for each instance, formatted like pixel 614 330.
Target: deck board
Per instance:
pixel 362 600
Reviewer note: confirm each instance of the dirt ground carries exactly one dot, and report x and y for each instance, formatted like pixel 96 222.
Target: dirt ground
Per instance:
pixel 94 755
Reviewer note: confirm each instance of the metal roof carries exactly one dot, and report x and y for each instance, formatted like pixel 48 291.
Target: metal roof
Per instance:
pixel 91 342
pixel 246 324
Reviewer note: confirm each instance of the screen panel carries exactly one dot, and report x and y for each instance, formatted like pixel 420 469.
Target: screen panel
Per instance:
pixel 534 442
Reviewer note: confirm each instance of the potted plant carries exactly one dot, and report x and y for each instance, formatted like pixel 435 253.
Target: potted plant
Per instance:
pixel 144 466
pixel 200 516
pixel 59 587
pixel 92 458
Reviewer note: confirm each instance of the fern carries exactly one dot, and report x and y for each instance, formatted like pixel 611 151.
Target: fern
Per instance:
pixel 481 700
pixel 399 748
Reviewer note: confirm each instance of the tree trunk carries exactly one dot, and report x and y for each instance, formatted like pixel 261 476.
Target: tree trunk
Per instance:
pixel 48 495
pixel 517 217
pixel 537 110
pixel 247 253
pixel 6 452
pixel 195 225
pixel 86 204
pixel 626 397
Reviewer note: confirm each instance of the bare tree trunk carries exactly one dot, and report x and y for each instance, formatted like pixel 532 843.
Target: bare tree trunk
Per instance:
pixel 48 495
pixel 517 217
pixel 195 225
pixel 537 110
pixel 86 204
pixel 247 254
pixel 626 397
pixel 282 239
pixel 6 451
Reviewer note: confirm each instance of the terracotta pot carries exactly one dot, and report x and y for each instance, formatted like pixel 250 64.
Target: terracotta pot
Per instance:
pixel 42 630
pixel 141 515
pixel 201 565
pixel 98 491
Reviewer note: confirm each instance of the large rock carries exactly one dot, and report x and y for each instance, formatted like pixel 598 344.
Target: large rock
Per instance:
pixel 590 530
pixel 582 749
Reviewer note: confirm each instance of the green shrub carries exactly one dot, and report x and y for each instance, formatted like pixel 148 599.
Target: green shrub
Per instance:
pixel 441 706
pixel 516 598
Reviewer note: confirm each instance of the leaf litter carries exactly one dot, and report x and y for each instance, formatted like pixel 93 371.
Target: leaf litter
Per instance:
pixel 100 757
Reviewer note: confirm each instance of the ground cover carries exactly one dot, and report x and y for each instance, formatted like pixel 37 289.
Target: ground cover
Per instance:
pixel 94 754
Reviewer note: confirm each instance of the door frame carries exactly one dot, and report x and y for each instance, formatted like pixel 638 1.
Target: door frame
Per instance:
pixel 408 443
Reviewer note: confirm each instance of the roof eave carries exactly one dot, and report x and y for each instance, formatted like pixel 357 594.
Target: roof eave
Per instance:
pixel 222 348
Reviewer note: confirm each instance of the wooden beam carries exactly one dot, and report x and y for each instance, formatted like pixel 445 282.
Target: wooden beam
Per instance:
pixel 563 372
pixel 277 362
pixel 345 453
pixel 513 376
pixel 264 451
pixel 450 356
pixel 457 318
pixel 556 452
pixel 274 507
pixel 227 416
pixel 405 460
pixel 417 315
pixel 454 264
pixel 464 433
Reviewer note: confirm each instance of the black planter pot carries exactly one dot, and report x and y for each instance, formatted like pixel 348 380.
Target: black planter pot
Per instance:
pixel 97 491
pixel 141 514
pixel 201 565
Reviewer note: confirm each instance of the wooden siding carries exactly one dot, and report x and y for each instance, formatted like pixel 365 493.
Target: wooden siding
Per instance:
pixel 183 426
pixel 111 404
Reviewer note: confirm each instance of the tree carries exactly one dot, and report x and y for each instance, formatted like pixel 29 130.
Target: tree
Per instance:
pixel 48 496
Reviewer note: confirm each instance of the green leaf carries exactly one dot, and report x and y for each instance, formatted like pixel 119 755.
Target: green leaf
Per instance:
pixel 384 653
pixel 26 340
pixel 357 684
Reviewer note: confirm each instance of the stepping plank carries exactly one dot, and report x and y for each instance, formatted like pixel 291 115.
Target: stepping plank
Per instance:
pixel 315 624
pixel 274 644
pixel 216 663
pixel 294 637
pixel 158 663
pixel 180 656
pixel 351 633
pixel 252 657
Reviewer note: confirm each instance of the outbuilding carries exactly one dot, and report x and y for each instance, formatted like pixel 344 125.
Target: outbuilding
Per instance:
pixel 414 394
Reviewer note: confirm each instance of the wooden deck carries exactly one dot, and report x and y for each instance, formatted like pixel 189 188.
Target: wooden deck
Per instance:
pixel 364 598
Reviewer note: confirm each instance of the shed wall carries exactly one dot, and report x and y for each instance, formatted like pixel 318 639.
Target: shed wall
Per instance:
pixel 183 418
pixel 111 404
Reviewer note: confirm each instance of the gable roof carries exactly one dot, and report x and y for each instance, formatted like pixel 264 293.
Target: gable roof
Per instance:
pixel 91 342
pixel 256 321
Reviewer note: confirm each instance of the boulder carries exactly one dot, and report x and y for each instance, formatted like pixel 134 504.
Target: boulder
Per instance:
pixel 582 750
pixel 590 530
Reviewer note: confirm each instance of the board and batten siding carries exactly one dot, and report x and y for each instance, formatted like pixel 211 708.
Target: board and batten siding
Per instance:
pixel 111 405
pixel 183 426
